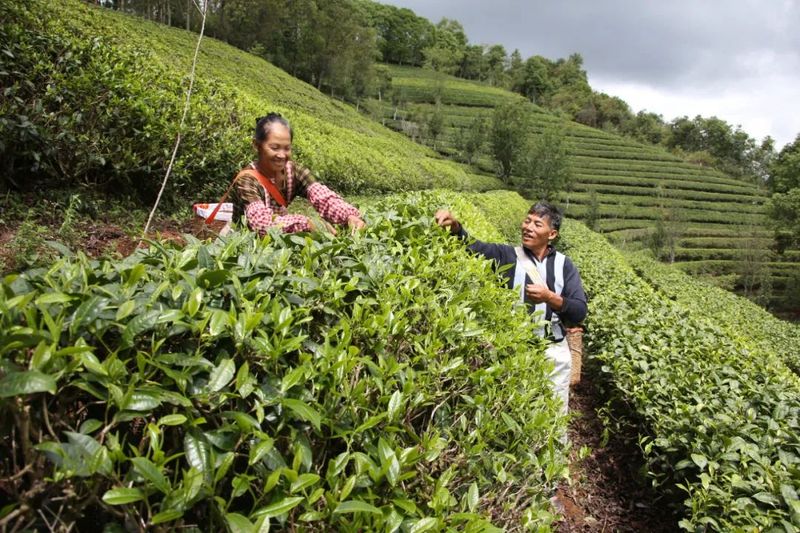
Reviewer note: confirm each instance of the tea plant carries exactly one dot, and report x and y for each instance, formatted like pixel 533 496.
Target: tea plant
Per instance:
pixel 738 316
pixel 378 381
pixel 719 417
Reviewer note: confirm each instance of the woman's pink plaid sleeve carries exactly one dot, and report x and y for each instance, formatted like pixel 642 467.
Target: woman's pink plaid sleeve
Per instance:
pixel 330 205
pixel 260 217
pixel 293 223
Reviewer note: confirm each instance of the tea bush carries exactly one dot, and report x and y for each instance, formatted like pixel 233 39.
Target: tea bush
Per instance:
pixel 378 381
pixel 719 418
pixel 77 110
pixel 737 315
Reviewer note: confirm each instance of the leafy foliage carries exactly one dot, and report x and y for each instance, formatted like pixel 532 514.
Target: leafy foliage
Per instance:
pixel 380 380
pixel 717 415
pixel 543 169
pixel 74 113
pixel 508 136
pixel 94 96
pixel 616 182
pixel 738 316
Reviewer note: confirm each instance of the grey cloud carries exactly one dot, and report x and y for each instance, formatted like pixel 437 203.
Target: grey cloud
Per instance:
pixel 664 43
pixel 690 51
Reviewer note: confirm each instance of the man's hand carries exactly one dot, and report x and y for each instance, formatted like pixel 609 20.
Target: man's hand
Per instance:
pixel 541 294
pixel 537 293
pixel 355 223
pixel 445 219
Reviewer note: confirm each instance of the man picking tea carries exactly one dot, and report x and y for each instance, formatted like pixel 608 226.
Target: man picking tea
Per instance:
pixel 546 279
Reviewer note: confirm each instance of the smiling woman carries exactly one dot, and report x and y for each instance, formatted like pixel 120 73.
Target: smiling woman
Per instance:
pixel 263 189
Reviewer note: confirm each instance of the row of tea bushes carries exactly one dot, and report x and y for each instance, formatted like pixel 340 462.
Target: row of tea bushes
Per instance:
pixel 380 381
pixel 736 315
pixel 718 417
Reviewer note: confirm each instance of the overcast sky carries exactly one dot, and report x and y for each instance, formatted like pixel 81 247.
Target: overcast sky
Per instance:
pixel 736 59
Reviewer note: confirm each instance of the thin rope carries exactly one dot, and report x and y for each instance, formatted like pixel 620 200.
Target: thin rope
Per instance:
pixel 204 11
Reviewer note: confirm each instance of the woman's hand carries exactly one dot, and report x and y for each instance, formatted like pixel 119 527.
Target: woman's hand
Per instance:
pixel 355 223
pixel 446 220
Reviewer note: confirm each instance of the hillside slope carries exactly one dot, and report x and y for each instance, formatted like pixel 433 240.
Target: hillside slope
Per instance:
pixel 627 190
pixel 85 69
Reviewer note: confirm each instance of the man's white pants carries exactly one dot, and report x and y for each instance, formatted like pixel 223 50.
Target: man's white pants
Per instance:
pixel 561 357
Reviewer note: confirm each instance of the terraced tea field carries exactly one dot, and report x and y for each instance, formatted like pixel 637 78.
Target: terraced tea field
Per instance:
pixel 623 188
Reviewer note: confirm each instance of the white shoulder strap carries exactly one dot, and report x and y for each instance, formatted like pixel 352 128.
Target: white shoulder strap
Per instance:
pixel 528 267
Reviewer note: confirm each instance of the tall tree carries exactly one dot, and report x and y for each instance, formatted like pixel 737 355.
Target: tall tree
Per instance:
pixel 469 140
pixel 543 169
pixel 473 65
pixel 508 136
pixel 534 82
pixel 447 50
pixel 784 172
pixel 497 64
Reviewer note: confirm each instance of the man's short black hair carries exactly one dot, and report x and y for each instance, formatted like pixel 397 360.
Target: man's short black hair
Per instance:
pixel 546 209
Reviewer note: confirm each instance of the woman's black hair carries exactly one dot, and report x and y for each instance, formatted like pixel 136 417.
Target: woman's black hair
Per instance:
pixel 264 124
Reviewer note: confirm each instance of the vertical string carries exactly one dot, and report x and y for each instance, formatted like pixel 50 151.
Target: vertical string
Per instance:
pixel 203 11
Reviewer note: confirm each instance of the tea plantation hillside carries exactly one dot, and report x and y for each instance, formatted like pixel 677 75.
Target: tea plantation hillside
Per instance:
pixel 382 380
pixel 93 97
pixel 627 190
pixel 375 381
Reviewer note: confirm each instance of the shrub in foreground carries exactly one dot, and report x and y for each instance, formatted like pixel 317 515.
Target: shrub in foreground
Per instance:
pixel 380 381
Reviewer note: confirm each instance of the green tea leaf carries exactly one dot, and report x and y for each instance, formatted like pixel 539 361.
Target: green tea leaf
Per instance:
pixel 303 481
pixel 172 420
pixel 303 411
pixel 140 324
pixel 356 506
pixel 92 364
pixel 151 473
pixel 699 460
pixel 424 524
pixel 278 508
pixel 122 496
pixel 258 451
pixel 29 382
pixel 126 309
pixel 238 523
pixel 54 298
pixel 472 496
pixel 219 320
pixel 221 375
pixel 198 452
pixel 166 516
pixel 141 400
pixel 395 402
pixel 194 301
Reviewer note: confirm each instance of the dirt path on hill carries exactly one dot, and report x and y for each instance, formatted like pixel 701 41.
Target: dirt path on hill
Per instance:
pixel 606 492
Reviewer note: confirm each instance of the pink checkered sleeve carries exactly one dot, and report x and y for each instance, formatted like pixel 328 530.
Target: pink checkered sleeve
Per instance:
pixel 330 205
pixel 293 223
pixel 260 219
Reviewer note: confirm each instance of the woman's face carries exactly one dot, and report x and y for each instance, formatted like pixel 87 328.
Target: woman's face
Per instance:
pixel 275 151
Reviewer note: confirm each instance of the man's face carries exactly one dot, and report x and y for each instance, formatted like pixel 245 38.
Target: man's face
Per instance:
pixel 536 231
